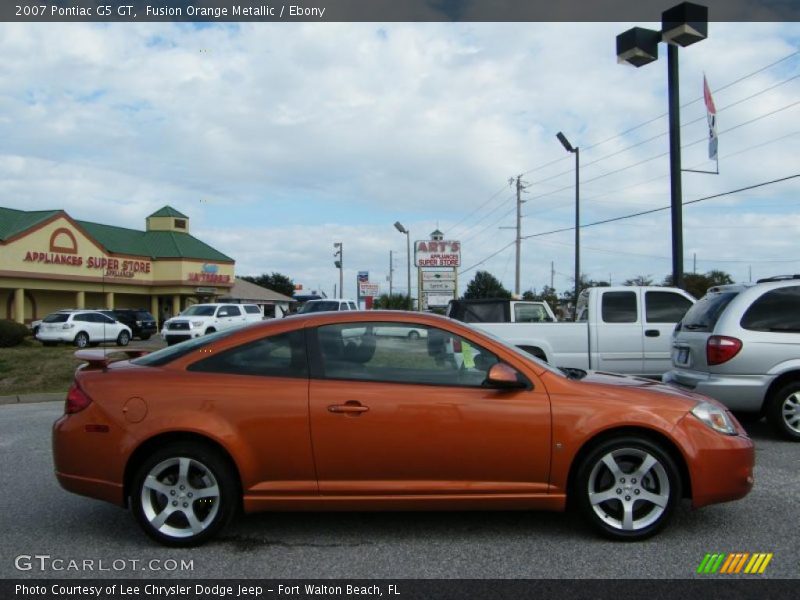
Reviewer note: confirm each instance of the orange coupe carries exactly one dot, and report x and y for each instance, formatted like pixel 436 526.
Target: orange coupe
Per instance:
pixel 385 411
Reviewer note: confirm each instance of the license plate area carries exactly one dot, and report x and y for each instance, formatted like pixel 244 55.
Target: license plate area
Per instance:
pixel 681 356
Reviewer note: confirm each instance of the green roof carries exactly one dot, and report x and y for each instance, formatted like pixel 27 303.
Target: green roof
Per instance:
pixel 168 211
pixel 14 221
pixel 121 240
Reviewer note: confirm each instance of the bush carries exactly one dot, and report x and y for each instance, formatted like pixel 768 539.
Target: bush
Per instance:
pixel 11 333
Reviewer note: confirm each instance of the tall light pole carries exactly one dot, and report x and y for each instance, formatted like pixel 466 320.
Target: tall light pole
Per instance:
pixel 681 25
pixel 577 152
pixel 339 265
pixel 401 229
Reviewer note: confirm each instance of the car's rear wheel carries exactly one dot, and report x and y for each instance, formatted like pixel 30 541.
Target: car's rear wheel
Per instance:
pixel 627 488
pixel 413 335
pixel 783 411
pixel 81 340
pixel 123 338
pixel 183 494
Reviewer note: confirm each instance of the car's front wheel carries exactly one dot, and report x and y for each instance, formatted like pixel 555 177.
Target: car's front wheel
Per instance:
pixel 783 411
pixel 627 488
pixel 183 494
pixel 123 338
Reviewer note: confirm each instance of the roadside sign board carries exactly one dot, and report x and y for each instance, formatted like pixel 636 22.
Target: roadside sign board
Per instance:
pixel 435 253
pixel 438 299
pixel 439 275
pixel 438 286
pixel 365 288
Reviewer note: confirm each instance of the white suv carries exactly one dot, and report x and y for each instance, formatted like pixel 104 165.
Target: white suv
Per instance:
pixel 82 328
pixel 200 319
pixel 740 344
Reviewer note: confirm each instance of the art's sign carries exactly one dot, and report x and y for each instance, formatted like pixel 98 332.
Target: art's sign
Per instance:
pixel 437 253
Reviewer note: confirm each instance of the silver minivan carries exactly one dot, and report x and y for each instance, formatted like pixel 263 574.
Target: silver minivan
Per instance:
pixel 740 344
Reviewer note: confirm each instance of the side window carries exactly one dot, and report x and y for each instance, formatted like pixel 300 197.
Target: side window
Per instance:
pixel 352 306
pixel 232 311
pixel 103 319
pixel 665 307
pixel 619 307
pixel 529 313
pixel 251 309
pixel 777 310
pixel 281 355
pixel 401 353
pixel 83 318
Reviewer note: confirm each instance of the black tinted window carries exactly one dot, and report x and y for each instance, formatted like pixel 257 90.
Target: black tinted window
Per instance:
pixel 703 316
pixel 665 307
pixel 281 355
pixel 619 307
pixel 83 318
pixel 56 318
pixel 253 310
pixel 402 353
pixel 777 310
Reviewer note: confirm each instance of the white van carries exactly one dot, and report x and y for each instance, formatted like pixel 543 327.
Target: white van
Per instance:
pixel 201 319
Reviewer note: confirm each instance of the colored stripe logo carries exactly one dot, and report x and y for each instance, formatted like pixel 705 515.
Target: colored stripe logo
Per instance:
pixel 734 563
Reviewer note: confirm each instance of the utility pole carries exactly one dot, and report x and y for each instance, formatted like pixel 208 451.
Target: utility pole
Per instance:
pixel 520 201
pixel 694 263
pixel 339 264
pixel 552 275
pixel 391 270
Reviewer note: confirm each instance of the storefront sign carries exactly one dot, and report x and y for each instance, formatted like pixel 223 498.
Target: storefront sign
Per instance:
pixel 112 267
pixel 433 253
pixel 366 288
pixel 208 278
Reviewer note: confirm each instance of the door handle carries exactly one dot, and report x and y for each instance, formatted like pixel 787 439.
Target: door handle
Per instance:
pixel 352 407
pixel 652 333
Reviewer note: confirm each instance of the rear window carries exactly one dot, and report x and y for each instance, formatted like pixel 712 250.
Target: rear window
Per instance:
pixel 170 353
pixel 777 310
pixel 56 318
pixel 311 307
pixel 703 316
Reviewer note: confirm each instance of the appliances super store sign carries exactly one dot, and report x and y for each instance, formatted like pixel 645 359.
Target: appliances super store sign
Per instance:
pixel 439 253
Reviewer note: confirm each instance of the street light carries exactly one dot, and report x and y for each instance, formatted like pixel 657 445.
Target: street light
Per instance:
pixel 339 265
pixel 577 152
pixel 401 229
pixel 681 25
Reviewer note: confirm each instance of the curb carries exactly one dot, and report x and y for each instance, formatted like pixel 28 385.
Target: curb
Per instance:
pixel 32 398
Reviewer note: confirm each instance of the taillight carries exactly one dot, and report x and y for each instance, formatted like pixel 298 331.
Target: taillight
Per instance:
pixel 721 348
pixel 77 400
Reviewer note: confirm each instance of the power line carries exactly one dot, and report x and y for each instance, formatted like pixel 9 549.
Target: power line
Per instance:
pixel 659 209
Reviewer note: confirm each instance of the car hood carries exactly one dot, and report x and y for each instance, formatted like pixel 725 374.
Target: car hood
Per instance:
pixel 640 388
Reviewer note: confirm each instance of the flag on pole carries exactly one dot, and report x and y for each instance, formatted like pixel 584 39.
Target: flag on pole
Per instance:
pixel 711 112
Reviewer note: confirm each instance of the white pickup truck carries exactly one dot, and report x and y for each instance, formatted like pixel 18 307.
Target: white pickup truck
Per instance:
pixel 624 329
pixel 500 310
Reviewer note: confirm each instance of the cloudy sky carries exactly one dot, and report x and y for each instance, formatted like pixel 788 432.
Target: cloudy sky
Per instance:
pixel 280 139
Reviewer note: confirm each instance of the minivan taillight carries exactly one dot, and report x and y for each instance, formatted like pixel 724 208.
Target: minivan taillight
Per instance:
pixel 77 400
pixel 721 348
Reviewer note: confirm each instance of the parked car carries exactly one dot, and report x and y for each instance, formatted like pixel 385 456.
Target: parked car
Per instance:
pixel 202 319
pixel 740 344
pixel 500 310
pixel 327 304
pixel 82 328
pixel 141 322
pixel 315 411
pixel 623 329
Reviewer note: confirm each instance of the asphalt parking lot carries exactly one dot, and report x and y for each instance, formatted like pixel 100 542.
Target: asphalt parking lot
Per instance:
pixel 38 517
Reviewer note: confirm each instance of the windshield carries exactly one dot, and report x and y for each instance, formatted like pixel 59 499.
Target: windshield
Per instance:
pixel 525 355
pixel 199 310
pixel 704 314
pixel 170 353
pixel 312 307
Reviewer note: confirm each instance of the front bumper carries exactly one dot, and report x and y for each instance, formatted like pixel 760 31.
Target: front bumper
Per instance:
pixel 720 466
pixel 744 393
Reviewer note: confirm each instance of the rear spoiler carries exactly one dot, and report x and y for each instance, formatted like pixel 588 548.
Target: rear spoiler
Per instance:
pixel 100 359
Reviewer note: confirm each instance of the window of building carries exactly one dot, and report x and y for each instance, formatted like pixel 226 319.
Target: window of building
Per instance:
pixel 180 223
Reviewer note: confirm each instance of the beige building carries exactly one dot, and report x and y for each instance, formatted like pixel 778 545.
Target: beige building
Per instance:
pixel 48 261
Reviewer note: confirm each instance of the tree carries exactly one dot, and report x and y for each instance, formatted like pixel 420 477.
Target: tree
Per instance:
pixel 393 302
pixel 639 280
pixel 485 285
pixel 547 294
pixel 697 284
pixel 585 283
pixel 277 282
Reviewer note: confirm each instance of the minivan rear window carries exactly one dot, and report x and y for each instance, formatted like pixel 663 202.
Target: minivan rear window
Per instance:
pixel 703 316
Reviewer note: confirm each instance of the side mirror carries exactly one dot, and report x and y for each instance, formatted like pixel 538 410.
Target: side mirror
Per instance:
pixel 503 377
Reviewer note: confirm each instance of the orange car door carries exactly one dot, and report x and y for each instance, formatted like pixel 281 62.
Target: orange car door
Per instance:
pixel 399 415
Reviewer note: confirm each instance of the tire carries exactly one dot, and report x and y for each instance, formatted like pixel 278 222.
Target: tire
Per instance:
pixel 123 338
pixel 413 335
pixel 613 501
pixel 210 330
pixel 164 502
pixel 783 411
pixel 81 340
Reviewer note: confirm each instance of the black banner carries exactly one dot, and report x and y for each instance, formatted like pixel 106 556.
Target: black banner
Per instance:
pixel 400 589
pixel 384 10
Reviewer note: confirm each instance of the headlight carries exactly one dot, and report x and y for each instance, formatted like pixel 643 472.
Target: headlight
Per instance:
pixel 197 323
pixel 715 417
